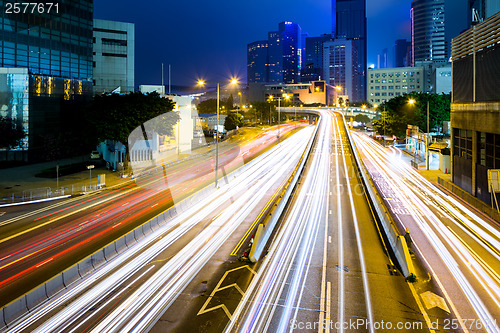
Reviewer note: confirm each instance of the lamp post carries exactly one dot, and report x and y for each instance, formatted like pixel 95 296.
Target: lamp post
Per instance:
pixel 202 83
pixel 412 101
pixel 427 140
pixel 287 97
pixel 241 101
pixel 90 167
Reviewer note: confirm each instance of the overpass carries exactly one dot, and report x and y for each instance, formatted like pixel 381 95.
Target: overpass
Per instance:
pixel 347 111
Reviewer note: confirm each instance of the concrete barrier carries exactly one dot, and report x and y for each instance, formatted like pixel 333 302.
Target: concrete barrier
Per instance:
pixel 396 240
pixel 70 276
pixel 98 258
pixel 120 245
pixel 85 266
pixel 3 324
pixel 129 239
pixel 35 297
pixel 14 310
pixel 54 285
pixel 264 232
pixel 110 251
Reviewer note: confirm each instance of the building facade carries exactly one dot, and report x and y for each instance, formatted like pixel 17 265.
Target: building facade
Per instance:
pixel 384 84
pixel 257 62
pixel 312 68
pixel 340 60
pixel 350 23
pixel 402 53
pixel 428 30
pixel 113 56
pixel 475 108
pixel 275 57
pixel 46 59
pixel 291 42
pixel 285 49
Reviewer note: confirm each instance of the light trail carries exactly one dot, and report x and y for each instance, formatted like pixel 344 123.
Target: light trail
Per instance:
pixel 270 306
pixel 158 291
pixel 109 213
pixel 474 272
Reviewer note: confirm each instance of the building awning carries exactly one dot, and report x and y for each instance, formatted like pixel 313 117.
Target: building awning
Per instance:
pixel 437 146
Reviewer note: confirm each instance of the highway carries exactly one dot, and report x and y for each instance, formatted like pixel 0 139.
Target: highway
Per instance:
pixel 459 247
pixel 39 241
pixel 132 291
pixel 327 268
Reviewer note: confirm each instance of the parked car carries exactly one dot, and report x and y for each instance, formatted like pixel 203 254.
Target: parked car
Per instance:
pixel 95 155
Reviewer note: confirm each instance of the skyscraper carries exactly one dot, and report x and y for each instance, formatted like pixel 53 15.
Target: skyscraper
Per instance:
pixel 350 23
pixel 402 53
pixel 291 36
pixel 275 57
pixel 340 61
pixel 312 66
pixel 257 62
pixel 428 30
pixel 284 55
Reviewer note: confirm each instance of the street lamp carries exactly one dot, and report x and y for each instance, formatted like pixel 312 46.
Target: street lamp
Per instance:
pixel 287 97
pixel 241 100
pixel 202 83
pixel 90 167
pixel 412 101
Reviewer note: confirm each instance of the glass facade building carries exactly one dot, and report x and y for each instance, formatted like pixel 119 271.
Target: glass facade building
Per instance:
pixel 46 58
pixel 350 23
pixel 428 30
pixel 257 62
pixel 291 35
pixel 54 44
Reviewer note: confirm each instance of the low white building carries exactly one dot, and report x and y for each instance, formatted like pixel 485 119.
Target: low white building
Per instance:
pixel 387 83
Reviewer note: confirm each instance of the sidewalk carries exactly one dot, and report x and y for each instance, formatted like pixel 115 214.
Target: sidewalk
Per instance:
pixel 22 182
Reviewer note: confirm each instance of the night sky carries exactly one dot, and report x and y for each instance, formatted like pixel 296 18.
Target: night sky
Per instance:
pixel 208 38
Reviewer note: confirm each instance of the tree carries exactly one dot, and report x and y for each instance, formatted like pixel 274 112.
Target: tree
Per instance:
pixel 11 136
pixel 233 120
pixel 362 118
pixel 260 108
pixel 115 117
pixel 400 113
pixel 208 106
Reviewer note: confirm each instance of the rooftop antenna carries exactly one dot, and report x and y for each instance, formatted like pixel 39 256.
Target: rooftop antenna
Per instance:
pixel 163 87
pixel 169 78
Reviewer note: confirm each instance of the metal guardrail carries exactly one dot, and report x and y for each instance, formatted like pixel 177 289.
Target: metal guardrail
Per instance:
pixel 470 199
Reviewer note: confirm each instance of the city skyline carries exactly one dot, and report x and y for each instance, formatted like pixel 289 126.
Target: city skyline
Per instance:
pixel 228 52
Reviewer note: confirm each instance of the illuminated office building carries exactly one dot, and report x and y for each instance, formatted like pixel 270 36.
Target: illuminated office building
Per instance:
pixel 45 58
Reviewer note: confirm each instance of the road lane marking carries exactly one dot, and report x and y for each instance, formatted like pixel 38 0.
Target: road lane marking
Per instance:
pixel 254 223
pixel 432 300
pixel 325 253
pixel 218 288
pixel 328 306
pixel 421 307
pixel 358 240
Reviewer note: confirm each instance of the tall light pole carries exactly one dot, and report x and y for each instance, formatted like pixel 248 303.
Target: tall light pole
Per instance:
pixel 90 167
pixel 202 83
pixel 287 97
pixel 241 101
pixel 427 139
pixel 411 102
